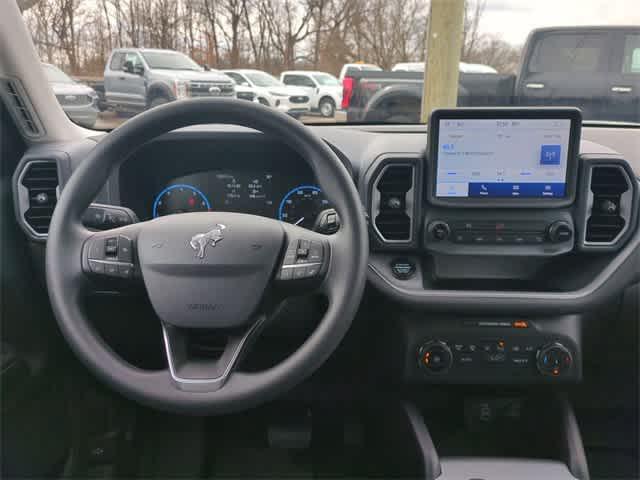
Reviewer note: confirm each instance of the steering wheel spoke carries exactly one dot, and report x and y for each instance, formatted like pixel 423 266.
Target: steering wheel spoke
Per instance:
pixel 203 360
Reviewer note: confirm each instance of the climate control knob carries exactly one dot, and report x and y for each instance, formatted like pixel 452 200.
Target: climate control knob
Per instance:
pixel 560 231
pixel 554 359
pixel 439 230
pixel 435 356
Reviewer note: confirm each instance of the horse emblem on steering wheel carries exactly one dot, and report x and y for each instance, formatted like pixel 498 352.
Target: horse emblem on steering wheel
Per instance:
pixel 200 241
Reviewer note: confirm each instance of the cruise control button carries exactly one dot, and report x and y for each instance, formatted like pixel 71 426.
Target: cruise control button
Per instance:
pixel 286 273
pixel 111 246
pixel 313 270
pixel 111 269
pixel 125 270
pixel 289 258
pixel 96 250
pixel 96 267
pixel 125 253
pixel 315 252
pixel 299 272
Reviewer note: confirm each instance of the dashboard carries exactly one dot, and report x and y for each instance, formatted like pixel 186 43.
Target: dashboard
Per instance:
pixel 484 279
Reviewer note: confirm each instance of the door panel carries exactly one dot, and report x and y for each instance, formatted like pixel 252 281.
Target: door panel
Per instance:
pixel 133 85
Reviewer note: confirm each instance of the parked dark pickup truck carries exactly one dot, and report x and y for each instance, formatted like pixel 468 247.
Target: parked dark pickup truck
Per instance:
pixel 594 68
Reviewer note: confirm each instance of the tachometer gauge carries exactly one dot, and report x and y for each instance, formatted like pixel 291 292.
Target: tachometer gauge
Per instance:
pixel 302 205
pixel 180 198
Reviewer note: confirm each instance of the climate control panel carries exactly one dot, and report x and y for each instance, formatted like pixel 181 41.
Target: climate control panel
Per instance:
pixel 491 352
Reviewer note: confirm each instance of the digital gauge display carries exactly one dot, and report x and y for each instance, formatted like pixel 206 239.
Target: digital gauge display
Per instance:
pixel 257 193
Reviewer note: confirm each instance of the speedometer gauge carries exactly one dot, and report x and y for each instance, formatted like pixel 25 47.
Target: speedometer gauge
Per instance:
pixel 302 205
pixel 180 198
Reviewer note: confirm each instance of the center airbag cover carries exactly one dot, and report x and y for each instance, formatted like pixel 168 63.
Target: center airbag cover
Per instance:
pixel 208 270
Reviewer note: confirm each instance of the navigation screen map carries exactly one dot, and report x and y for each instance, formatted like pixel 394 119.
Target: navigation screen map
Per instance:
pixel 502 158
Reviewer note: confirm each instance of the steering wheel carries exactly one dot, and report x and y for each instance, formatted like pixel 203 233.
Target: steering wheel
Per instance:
pixel 218 271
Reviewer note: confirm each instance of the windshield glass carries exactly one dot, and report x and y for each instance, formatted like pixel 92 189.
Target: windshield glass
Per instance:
pixel 380 56
pixel 169 61
pixel 260 79
pixel 326 79
pixel 56 76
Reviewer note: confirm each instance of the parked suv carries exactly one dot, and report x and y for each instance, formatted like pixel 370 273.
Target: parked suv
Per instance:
pixel 324 90
pixel 78 101
pixel 271 92
pixel 140 78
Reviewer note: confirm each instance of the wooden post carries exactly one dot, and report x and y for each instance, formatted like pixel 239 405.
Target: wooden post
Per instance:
pixel 443 45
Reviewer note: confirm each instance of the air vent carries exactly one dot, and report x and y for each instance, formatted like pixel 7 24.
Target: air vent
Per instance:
pixel 40 181
pixel 393 203
pixel 609 186
pixel 19 105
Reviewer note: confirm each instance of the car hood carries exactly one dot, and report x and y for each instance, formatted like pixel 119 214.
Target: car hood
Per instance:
pixel 192 75
pixel 71 89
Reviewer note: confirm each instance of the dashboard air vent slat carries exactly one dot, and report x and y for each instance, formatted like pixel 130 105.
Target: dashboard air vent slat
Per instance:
pixel 40 179
pixel 18 103
pixel 393 203
pixel 606 221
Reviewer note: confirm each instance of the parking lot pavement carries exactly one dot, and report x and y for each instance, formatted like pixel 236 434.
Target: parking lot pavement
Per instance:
pixel 109 120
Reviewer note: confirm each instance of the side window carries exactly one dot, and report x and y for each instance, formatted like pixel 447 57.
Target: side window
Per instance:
pixel 306 82
pixel 289 80
pixel 117 61
pixel 631 55
pixel 134 58
pixel 236 77
pixel 570 53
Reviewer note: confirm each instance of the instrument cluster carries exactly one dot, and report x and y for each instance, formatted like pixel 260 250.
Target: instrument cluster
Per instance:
pixel 253 192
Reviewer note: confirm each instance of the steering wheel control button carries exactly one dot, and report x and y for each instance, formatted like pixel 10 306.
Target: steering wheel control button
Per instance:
pixel 302 260
pixel 285 274
pixel 125 249
pixel 435 357
pixel 554 360
pixel 111 269
pixel 96 267
pixel 125 270
pixel 111 247
pixel 403 268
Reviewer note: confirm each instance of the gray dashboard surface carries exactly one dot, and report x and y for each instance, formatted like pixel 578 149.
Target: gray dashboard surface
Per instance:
pixel 466 468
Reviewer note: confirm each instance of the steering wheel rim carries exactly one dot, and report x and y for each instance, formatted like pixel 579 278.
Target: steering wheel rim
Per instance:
pixel 67 283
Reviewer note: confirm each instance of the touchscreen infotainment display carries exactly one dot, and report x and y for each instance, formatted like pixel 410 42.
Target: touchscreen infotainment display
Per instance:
pixel 502 158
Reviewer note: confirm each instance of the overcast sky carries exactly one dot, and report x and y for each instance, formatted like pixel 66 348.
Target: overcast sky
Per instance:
pixel 514 19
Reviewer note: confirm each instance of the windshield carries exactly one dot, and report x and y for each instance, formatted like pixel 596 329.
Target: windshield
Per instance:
pixel 326 79
pixel 260 79
pixel 169 61
pixel 380 57
pixel 56 76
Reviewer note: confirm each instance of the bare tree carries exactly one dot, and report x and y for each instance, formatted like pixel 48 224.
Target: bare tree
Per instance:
pixel 471 37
